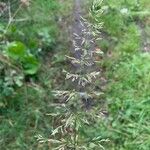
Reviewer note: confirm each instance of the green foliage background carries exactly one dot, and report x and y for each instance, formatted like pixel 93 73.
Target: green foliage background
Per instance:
pixel 28 74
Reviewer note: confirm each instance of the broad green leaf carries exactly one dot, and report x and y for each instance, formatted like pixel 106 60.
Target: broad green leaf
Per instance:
pixel 16 50
pixel 30 64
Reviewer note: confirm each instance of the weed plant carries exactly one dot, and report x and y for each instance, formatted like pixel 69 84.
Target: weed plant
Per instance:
pixel 74 114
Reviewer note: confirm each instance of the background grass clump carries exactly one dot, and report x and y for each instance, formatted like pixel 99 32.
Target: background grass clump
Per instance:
pixel 126 67
pixel 128 103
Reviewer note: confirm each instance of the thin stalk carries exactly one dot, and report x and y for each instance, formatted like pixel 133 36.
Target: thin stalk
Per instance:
pixel 11 17
pixel 75 132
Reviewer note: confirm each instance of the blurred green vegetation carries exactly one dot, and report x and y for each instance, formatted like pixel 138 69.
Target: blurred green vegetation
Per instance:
pixel 128 97
pixel 126 67
pixel 32 53
pixel 27 76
